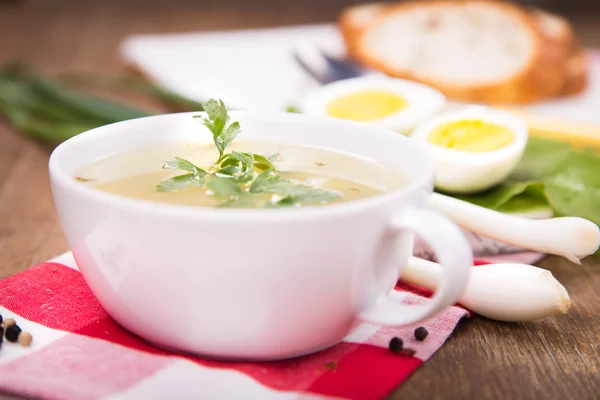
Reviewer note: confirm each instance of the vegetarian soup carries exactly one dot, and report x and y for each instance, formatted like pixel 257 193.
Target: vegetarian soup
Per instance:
pixel 240 174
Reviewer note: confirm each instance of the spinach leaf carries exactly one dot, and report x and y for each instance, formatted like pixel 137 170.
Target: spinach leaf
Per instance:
pixel 550 174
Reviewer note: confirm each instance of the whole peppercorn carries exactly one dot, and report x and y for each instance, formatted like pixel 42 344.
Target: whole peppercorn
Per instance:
pixel 8 322
pixel 12 332
pixel 25 339
pixel 421 333
pixel 1 319
pixel 396 345
pixel 1 334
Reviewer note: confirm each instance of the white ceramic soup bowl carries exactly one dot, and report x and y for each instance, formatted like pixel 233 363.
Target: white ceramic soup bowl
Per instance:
pixel 254 284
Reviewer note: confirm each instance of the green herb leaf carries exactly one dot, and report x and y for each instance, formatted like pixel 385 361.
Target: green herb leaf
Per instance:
pixel 237 168
pixel 224 187
pixel 236 165
pixel 195 178
pixel 308 197
pixel 288 201
pixel 224 139
pixel 318 196
pixel 180 182
pixel 216 122
pixel 185 165
pixel 245 159
pixel 218 117
pixel 263 162
pixel 241 201
pixel 215 109
pixel 266 182
pixel 270 182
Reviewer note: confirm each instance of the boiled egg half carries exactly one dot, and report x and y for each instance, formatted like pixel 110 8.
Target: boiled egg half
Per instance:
pixel 387 103
pixel 474 148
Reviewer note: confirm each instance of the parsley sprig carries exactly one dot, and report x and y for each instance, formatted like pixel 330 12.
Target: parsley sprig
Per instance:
pixel 240 178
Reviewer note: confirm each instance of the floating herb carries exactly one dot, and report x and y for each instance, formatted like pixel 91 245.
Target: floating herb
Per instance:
pixel 312 197
pixel 224 187
pixel 242 178
pixel 263 162
pixel 238 166
pixel 195 178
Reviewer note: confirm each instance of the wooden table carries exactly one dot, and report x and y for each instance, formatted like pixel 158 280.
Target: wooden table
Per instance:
pixel 557 358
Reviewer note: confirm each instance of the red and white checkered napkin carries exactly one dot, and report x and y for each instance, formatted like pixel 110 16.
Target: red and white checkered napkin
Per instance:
pixel 79 352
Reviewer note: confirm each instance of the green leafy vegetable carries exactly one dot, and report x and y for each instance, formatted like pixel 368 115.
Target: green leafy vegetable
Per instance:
pixel 270 182
pixel 550 174
pixel 238 202
pixel 307 197
pixel 236 165
pixel 540 159
pixel 131 84
pixel 224 187
pixel 527 205
pixel 266 181
pixel 498 196
pixel 216 122
pixel 48 111
pixel 243 178
pixel 89 107
pixel 574 189
pixel 223 140
pixel 195 178
pixel 180 182
pixel 185 165
pixel 262 162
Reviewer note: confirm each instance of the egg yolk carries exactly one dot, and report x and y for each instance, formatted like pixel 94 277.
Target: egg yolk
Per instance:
pixel 366 105
pixel 471 136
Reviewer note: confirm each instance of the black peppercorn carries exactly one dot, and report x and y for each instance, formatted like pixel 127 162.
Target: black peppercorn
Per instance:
pixel 421 333
pixel 396 345
pixel 1 334
pixel 1 319
pixel 12 333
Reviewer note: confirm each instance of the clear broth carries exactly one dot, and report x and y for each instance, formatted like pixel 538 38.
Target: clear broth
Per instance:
pixel 136 173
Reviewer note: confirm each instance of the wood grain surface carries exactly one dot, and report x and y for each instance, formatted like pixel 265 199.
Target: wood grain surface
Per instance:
pixel 557 358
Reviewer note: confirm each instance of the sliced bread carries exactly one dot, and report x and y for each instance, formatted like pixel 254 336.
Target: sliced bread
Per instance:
pixel 476 51
pixel 355 20
pixel 563 49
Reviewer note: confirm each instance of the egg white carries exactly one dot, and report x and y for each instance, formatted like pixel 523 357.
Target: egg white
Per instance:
pixel 422 102
pixel 465 172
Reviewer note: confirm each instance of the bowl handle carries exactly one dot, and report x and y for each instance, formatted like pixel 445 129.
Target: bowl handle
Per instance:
pixel 453 252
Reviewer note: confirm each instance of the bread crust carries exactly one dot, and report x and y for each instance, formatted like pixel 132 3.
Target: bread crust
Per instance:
pixel 351 30
pixel 576 73
pixel 564 51
pixel 545 75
